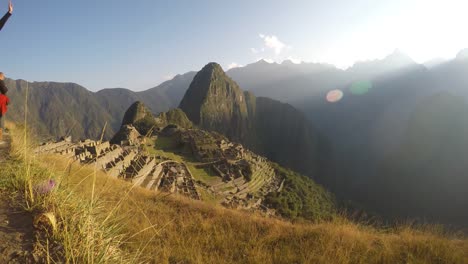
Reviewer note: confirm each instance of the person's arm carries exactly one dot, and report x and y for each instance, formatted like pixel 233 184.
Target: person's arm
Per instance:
pixel 7 15
pixel 4 20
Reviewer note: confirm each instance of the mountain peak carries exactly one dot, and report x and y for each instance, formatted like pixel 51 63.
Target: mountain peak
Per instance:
pixel 211 70
pixel 395 61
pixel 214 99
pixel 136 112
pixel 399 57
pixel 292 61
pixel 264 62
pixel 212 66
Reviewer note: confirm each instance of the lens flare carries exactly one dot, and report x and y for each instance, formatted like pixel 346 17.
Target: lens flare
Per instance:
pixel 361 87
pixel 334 96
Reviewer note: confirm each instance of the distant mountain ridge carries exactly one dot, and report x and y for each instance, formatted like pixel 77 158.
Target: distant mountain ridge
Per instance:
pixel 287 82
pixel 58 109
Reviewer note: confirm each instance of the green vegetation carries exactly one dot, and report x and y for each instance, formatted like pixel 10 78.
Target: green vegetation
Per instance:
pixel 140 117
pixel 169 148
pixel 301 198
pixel 144 125
pixel 175 116
pixel 166 143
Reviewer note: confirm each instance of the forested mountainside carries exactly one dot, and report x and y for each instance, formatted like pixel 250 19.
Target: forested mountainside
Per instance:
pixel 58 109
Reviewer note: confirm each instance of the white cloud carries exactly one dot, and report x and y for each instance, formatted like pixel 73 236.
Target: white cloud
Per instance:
pixel 168 77
pixel 266 59
pixel 273 50
pixel 234 65
pixel 294 60
pixel 274 43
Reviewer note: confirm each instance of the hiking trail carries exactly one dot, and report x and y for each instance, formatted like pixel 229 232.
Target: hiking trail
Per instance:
pixel 16 225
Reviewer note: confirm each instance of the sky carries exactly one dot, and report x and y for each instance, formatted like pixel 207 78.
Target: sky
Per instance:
pixel 140 43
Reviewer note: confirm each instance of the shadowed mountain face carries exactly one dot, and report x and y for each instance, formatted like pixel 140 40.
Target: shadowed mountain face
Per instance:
pixel 426 174
pixel 280 132
pixel 395 143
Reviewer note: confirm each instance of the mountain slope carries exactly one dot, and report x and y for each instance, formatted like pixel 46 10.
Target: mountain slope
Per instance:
pixel 425 176
pixel 58 109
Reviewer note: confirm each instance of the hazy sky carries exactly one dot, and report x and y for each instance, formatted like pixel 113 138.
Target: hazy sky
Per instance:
pixel 137 44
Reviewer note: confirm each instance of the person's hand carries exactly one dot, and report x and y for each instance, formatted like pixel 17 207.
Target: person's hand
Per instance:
pixel 10 7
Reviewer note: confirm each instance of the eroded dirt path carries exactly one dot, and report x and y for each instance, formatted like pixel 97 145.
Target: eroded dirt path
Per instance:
pixel 16 225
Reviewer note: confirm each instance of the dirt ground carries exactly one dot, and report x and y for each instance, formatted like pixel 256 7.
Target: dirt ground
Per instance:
pixel 16 226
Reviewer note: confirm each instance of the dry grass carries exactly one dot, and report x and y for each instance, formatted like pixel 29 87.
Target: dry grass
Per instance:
pixel 80 235
pixel 156 228
pixel 171 229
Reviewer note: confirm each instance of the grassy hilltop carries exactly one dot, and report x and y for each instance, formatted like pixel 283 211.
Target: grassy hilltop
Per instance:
pixel 105 220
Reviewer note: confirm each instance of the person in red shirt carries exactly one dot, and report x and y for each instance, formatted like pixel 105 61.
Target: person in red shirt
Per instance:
pixel 4 101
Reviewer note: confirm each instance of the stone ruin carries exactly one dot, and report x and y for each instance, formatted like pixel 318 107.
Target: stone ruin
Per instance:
pixel 244 177
pixel 175 177
pixel 128 163
pixel 127 136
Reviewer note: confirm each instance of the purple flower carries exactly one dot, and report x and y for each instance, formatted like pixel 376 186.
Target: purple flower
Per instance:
pixel 44 187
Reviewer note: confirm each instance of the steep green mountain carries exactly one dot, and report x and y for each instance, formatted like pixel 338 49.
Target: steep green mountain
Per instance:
pixel 280 132
pixel 174 116
pixel 139 116
pixel 136 113
pixel 215 102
